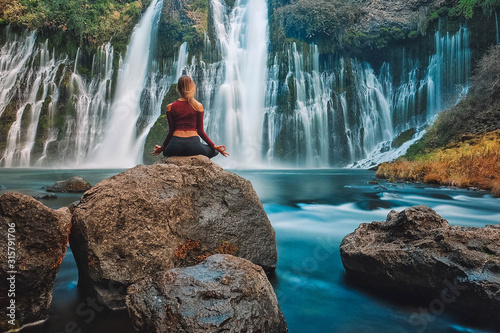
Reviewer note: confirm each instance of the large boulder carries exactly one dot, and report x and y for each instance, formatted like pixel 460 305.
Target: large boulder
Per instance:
pixel 171 214
pixel 34 245
pixel 417 253
pixel 222 294
pixel 73 185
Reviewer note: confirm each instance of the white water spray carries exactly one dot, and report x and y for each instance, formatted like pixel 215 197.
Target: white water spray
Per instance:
pixel 120 147
pixel 238 109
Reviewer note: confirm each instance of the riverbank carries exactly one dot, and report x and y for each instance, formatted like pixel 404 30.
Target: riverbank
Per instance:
pixel 473 161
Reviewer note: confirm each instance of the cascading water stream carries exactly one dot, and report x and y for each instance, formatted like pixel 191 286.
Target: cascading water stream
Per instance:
pixel 120 146
pixel 237 111
pixel 298 113
pixel 39 91
pixel 498 31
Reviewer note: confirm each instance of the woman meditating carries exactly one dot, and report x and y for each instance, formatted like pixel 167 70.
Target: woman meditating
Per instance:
pixel 185 126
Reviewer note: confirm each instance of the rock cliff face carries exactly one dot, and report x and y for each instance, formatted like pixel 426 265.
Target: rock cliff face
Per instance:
pixel 404 14
pixel 417 253
pixel 171 214
pixel 222 294
pixel 35 240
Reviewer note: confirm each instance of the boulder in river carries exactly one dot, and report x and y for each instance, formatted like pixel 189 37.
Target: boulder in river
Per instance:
pixel 158 217
pixel 417 254
pixel 34 246
pixel 222 294
pixel 73 185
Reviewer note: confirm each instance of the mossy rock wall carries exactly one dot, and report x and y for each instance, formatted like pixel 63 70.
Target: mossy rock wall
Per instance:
pixel 159 131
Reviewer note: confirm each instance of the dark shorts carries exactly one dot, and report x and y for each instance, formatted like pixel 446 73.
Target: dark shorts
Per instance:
pixel 188 147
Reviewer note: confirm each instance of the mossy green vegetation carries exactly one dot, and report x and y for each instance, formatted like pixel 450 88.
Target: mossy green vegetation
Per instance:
pixel 403 137
pixel 76 23
pixel 325 22
pixel 185 24
pixel 159 131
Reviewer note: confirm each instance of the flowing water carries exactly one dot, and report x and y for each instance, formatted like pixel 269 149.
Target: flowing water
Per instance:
pixel 311 211
pixel 498 30
pixel 323 113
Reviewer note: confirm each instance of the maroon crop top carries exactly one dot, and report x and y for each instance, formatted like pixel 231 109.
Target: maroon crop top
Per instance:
pixel 183 116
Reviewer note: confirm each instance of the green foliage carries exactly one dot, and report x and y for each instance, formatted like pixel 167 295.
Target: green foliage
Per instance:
pixel 403 137
pixel 158 132
pixel 87 23
pixel 465 8
pixel 318 20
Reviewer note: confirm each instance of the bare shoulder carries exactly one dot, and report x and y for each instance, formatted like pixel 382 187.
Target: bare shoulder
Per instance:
pixel 169 107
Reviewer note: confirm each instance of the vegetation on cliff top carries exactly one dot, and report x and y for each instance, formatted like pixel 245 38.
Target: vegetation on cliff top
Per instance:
pixel 79 23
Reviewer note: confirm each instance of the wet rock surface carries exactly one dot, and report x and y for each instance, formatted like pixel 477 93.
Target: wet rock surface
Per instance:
pixel 71 185
pixel 222 294
pixel 153 218
pixel 416 253
pixel 35 243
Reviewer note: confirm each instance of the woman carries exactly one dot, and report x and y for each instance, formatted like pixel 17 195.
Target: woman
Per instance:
pixel 185 126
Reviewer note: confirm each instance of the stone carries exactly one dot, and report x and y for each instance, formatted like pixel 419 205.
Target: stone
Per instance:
pixel 73 185
pixel 171 214
pixel 222 294
pixel 417 254
pixel 403 14
pixel 39 239
pixel 45 197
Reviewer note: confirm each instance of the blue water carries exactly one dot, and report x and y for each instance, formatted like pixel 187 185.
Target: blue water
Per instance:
pixel 311 211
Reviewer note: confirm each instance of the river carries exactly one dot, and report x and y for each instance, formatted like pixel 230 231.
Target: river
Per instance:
pixel 311 211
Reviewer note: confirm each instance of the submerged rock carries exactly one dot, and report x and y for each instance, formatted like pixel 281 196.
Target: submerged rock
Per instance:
pixel 222 294
pixel 157 217
pixel 73 185
pixel 417 253
pixel 35 240
pixel 45 197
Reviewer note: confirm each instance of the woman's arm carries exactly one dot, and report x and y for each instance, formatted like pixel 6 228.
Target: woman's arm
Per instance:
pixel 171 130
pixel 201 131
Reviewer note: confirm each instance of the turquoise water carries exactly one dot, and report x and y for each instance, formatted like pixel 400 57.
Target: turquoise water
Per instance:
pixel 311 211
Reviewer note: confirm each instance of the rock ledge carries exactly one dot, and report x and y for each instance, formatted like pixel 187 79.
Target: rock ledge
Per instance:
pixel 417 253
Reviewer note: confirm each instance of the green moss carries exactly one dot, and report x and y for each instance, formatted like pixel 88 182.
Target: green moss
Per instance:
pixel 7 119
pixel 158 132
pixel 71 24
pixel 403 137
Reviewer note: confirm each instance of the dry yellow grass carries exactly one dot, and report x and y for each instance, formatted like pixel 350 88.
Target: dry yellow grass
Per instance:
pixel 475 162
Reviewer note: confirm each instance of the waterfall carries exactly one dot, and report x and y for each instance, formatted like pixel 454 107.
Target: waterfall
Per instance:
pixel 119 146
pixel 91 101
pixel 13 57
pixel 449 66
pixel 181 62
pixel 294 107
pixel 237 111
pixel 498 33
pixel 34 66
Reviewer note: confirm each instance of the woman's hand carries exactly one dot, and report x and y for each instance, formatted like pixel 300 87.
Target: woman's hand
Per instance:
pixel 221 149
pixel 158 150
